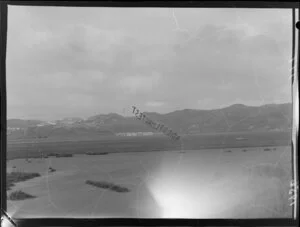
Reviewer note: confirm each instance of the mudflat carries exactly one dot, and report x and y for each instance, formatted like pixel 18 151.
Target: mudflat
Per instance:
pixel 207 183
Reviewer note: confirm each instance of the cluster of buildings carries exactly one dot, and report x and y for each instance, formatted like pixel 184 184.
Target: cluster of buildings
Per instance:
pixel 10 130
pixel 46 123
pixel 13 129
pixel 135 134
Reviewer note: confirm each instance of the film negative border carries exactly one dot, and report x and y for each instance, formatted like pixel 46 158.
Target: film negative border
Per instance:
pixel 3 123
pixel 295 120
pixel 174 4
pixel 128 221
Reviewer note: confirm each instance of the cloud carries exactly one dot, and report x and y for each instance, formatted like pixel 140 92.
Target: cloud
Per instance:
pixel 115 57
pixel 85 101
pixel 205 103
pixel 139 83
pixel 154 104
pixel 36 38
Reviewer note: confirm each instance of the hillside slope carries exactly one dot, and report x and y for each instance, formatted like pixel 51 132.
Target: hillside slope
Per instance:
pixel 235 118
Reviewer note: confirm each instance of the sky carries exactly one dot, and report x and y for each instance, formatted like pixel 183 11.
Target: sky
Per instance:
pixel 79 62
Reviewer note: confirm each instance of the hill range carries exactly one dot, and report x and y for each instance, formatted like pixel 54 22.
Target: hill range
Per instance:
pixel 235 118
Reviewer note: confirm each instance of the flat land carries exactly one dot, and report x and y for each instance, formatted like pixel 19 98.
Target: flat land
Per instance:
pixel 199 178
pixel 117 144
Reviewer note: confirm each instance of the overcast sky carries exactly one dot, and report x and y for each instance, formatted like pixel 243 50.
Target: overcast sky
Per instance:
pixel 64 62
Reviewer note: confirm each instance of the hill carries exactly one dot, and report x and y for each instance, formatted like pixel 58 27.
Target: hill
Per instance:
pixel 19 123
pixel 235 118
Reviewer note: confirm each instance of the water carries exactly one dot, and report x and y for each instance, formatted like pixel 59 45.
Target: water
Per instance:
pixel 196 184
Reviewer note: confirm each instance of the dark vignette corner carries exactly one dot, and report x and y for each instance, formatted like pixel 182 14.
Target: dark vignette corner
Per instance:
pixel 3 38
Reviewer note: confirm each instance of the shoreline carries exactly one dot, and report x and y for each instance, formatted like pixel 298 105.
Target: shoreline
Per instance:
pixel 35 149
pixel 171 150
pixel 126 138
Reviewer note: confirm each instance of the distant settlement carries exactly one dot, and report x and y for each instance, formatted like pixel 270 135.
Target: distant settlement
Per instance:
pixel 157 126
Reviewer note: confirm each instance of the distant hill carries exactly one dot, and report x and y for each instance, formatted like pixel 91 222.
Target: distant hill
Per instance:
pixel 18 123
pixel 235 118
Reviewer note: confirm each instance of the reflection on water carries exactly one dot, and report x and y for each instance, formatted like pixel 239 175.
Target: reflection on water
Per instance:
pixel 194 184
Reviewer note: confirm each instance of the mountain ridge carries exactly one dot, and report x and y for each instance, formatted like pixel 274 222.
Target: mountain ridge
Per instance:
pixel 234 118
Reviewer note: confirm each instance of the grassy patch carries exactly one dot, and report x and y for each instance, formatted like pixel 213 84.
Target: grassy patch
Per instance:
pixel 15 177
pixel 59 155
pixel 51 170
pixel 19 195
pixel 114 144
pixel 64 155
pixel 107 185
pixel 95 153
pixel 51 154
